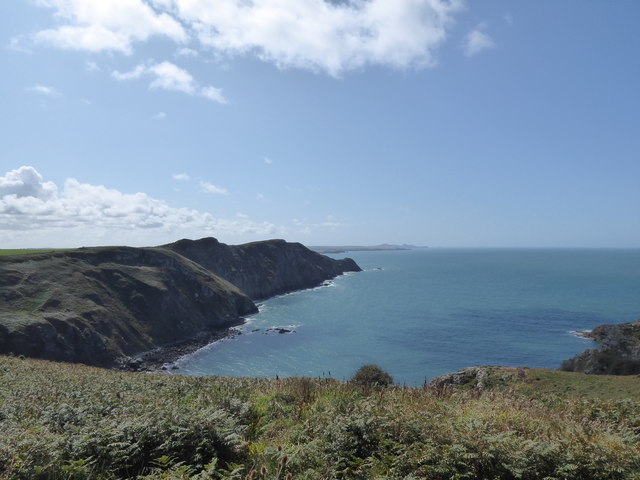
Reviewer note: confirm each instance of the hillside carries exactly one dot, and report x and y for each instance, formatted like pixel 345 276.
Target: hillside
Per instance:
pixel 100 306
pixel 62 421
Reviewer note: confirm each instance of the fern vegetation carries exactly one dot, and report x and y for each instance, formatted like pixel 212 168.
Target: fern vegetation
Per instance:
pixel 64 421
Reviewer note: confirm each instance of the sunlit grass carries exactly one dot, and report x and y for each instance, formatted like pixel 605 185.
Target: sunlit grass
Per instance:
pixel 29 251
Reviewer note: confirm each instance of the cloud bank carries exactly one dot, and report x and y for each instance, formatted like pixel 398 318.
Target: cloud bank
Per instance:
pixel 33 211
pixel 319 35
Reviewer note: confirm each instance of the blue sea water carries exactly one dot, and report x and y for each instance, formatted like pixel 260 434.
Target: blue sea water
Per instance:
pixel 425 312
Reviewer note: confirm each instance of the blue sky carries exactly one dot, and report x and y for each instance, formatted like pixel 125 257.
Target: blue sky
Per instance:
pixel 441 123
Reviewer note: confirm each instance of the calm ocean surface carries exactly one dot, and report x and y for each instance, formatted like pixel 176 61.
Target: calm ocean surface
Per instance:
pixel 422 313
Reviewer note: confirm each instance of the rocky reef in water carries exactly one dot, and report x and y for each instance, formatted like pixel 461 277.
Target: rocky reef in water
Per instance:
pixel 102 306
pixel 617 354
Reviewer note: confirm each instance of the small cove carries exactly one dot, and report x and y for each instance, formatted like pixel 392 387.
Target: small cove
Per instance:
pixel 421 313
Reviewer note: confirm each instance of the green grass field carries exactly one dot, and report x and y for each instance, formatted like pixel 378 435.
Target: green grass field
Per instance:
pixel 29 251
pixel 63 421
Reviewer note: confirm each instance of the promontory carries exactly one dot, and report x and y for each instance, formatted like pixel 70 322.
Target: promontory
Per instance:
pixel 103 305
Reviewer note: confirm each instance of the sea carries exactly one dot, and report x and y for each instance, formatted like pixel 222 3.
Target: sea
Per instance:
pixel 425 312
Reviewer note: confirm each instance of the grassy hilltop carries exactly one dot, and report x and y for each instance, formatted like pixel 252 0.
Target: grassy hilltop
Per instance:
pixel 64 421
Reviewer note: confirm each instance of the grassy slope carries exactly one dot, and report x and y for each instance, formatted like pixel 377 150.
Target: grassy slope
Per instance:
pixel 98 305
pixel 71 421
pixel 544 383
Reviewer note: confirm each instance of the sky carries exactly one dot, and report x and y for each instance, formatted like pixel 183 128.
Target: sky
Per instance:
pixel 441 123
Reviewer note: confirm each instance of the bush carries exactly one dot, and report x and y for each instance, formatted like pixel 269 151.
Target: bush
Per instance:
pixel 372 376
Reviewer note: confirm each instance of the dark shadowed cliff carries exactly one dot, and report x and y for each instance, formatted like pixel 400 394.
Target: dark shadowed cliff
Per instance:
pixel 264 269
pixel 100 306
pixel 618 353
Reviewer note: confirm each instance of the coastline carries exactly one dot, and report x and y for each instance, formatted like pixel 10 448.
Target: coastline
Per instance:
pixel 157 359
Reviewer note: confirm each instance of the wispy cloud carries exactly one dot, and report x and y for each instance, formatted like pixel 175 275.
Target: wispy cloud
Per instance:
pixel 92 213
pixel 91 67
pixel 17 44
pixel 44 90
pixel 159 116
pixel 168 76
pixel 306 227
pixel 211 188
pixel 181 176
pixel 508 18
pixel 267 160
pixel 477 41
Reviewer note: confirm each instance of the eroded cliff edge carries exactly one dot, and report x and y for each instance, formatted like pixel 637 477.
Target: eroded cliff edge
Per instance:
pixel 264 269
pixel 618 353
pixel 101 306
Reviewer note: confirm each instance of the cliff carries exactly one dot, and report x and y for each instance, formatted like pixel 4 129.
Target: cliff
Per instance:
pixel 264 269
pixel 100 306
pixel 618 353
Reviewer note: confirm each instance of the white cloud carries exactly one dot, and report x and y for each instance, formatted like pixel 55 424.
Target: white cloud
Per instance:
pixel 181 176
pixel 187 52
pixel 319 35
pixel 168 76
pixel 44 90
pixel 476 41
pixel 98 25
pixel 212 93
pixel 159 116
pixel 26 182
pixel 267 160
pixel 210 188
pixel 35 213
pixel 134 74
pixel 171 77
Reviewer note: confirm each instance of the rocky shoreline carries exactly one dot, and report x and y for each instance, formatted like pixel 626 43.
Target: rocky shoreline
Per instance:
pixel 160 358
pixel 618 352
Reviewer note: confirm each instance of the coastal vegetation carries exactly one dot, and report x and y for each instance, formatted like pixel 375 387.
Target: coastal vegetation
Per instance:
pixel 372 376
pixel 66 421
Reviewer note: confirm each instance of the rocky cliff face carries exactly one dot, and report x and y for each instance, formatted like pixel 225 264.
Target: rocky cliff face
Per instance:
pixel 101 305
pixel 264 269
pixel 618 353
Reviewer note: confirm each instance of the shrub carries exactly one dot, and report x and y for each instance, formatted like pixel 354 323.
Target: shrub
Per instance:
pixel 372 376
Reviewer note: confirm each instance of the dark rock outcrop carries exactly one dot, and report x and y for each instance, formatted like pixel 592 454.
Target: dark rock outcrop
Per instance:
pixel 101 306
pixel 264 269
pixel 618 353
